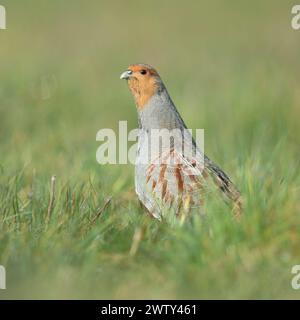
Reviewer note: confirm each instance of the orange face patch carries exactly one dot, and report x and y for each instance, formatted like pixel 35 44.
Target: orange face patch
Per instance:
pixel 143 83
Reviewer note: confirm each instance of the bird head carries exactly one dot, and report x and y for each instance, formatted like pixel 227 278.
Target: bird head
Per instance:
pixel 143 82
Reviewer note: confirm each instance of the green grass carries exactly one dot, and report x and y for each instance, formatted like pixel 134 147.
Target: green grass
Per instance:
pixel 230 68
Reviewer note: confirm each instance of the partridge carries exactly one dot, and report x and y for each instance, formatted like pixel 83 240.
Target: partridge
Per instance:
pixel 171 171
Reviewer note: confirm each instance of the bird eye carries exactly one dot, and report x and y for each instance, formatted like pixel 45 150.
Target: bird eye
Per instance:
pixel 143 71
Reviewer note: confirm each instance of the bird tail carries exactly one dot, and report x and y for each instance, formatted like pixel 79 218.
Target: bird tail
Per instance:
pixel 226 186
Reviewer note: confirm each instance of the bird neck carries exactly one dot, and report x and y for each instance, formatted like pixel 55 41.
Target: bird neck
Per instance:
pixel 160 113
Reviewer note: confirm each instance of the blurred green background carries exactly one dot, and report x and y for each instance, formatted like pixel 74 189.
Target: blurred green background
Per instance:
pixel 231 68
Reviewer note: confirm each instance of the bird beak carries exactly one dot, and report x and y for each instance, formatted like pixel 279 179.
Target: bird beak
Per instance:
pixel 126 75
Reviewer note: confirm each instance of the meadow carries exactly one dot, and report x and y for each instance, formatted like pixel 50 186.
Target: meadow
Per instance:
pixel 231 68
